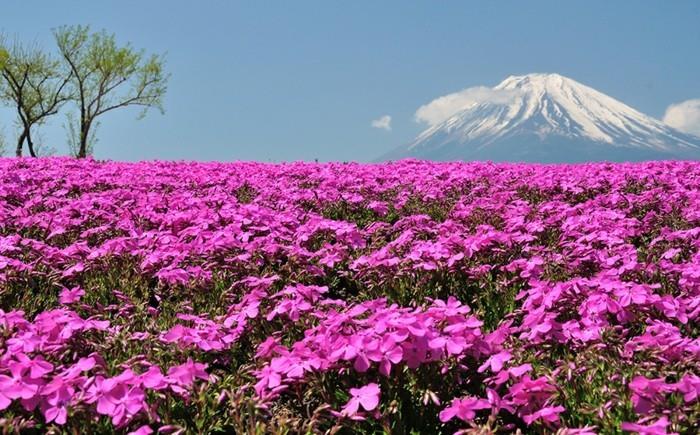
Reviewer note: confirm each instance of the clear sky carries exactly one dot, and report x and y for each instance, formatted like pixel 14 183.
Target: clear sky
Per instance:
pixel 298 80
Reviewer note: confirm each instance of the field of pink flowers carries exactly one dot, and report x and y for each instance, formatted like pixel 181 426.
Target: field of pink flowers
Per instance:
pixel 402 298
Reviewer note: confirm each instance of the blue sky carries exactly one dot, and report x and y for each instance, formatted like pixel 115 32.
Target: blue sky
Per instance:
pixel 275 81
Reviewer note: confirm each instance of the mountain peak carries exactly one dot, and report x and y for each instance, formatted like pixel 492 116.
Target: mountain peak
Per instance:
pixel 544 82
pixel 548 117
pixel 537 78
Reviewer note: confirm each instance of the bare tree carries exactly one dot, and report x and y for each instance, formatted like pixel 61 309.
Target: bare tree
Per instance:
pixel 107 77
pixel 35 84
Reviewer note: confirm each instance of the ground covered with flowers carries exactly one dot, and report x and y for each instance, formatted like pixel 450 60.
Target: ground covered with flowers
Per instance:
pixel 403 298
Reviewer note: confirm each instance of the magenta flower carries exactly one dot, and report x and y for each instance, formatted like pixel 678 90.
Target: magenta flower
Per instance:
pixel 647 392
pixel 512 373
pixel 32 368
pixel 549 414
pixel 120 401
pixel 453 307
pixel 453 344
pixel 495 362
pixel 689 386
pixel 367 397
pixel 656 428
pixel 378 207
pixel 184 375
pixel 143 430
pixel 464 409
pixel 83 365
pixel 153 378
pixel 269 347
pixel 388 353
pixel 57 395
pixel 70 296
pixel 15 388
pixel 268 378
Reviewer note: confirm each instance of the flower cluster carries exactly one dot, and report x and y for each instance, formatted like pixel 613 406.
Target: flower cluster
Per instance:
pixel 177 297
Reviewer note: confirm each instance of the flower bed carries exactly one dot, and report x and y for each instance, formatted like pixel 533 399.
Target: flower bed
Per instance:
pixel 409 297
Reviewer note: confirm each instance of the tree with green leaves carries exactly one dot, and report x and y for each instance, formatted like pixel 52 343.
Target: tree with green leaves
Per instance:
pixel 107 76
pixel 4 55
pixel 35 84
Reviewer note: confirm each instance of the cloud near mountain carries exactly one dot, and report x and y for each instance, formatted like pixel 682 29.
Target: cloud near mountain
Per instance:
pixel 443 108
pixel 685 116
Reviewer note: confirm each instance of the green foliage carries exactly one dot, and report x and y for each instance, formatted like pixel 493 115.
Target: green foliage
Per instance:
pixel 35 83
pixel 4 56
pixel 107 76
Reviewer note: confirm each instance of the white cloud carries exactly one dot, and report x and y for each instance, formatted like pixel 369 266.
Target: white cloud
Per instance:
pixel 383 122
pixel 444 107
pixel 685 116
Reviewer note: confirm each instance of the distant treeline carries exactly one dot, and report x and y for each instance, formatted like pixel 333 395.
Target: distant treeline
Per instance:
pixel 88 72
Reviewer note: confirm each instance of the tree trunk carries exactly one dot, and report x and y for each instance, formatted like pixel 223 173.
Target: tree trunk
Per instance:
pixel 30 144
pixel 20 142
pixel 84 132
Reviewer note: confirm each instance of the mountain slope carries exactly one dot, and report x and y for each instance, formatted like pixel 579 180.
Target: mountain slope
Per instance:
pixel 550 118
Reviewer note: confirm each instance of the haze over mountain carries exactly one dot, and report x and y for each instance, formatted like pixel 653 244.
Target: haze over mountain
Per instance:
pixel 549 118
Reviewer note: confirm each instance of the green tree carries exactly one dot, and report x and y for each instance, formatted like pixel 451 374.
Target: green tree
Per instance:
pixel 4 55
pixel 35 84
pixel 106 77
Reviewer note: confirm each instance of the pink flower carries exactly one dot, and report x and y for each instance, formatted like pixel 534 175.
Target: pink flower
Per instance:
pixel 657 428
pixel 143 430
pixel 388 353
pixel 453 307
pixel 548 414
pixel 360 347
pixel 35 368
pixel 119 400
pixel 83 365
pixel 415 353
pixel 269 347
pixel 454 344
pixel 185 374
pixel 15 388
pixel 119 397
pixel 70 296
pixel 378 207
pixel 513 372
pixel 464 409
pixel 495 362
pixel 530 394
pixel 647 392
pixel 153 378
pixel 367 397
pixel 268 378
pixel 689 385
pixel 73 270
pixel 497 403
pixel 57 396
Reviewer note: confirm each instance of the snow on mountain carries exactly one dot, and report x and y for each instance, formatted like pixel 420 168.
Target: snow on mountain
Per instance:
pixel 550 118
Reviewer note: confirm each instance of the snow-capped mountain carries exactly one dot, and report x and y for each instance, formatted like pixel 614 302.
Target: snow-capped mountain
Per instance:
pixel 550 118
